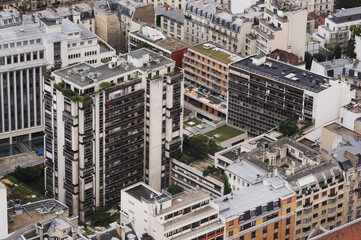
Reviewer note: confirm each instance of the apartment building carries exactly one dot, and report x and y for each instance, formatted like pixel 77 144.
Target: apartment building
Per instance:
pixel 350 231
pixel 206 20
pixel 332 68
pixel 206 78
pixel 229 155
pixel 332 134
pixel 9 18
pixel 132 14
pixel 350 114
pixel 6 4
pixel 262 211
pixel 242 174
pixel 321 198
pixel 348 155
pixel 190 215
pixel 351 73
pixel 25 53
pixel 107 24
pixel 155 40
pixel 317 6
pixel 191 176
pixel 77 13
pixel 170 21
pixel 177 4
pixel 336 30
pixel 279 28
pixel 110 126
pixel 263 91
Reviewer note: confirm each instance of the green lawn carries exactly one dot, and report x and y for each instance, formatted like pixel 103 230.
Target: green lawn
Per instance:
pixel 226 133
pixel 196 121
pixel 219 55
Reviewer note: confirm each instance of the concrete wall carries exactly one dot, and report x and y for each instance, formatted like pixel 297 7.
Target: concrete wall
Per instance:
pixel 3 212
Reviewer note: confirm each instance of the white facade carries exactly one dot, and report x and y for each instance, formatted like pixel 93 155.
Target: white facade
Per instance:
pixel 3 212
pixel 279 29
pixel 336 95
pixel 336 30
pixel 349 114
pixel 25 53
pixel 238 7
pixel 165 217
pixel 332 69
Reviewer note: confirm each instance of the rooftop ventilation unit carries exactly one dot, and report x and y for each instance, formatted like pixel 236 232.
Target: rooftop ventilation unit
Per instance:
pixel 207 46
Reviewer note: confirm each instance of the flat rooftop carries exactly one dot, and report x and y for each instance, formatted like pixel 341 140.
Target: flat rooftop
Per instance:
pixel 232 205
pixel 348 12
pixel 33 213
pixel 80 74
pixel 348 148
pixel 283 73
pixel 141 191
pixel 341 130
pixel 224 133
pixel 169 43
pixel 185 199
pixel 246 171
pixel 217 52
pixel 335 63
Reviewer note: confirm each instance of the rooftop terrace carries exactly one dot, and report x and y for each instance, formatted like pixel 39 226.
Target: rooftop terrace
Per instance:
pixel 224 133
pixel 84 74
pixel 216 52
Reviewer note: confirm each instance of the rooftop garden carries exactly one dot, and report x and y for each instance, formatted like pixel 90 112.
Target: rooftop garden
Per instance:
pixel 192 123
pixel 224 133
pixel 197 148
pixel 218 55
pixel 75 97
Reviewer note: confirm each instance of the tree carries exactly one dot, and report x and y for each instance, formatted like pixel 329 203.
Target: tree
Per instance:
pixel 174 189
pixel 227 188
pixel 350 50
pixel 104 85
pixel 100 216
pixel 347 3
pixel 196 147
pixel 337 52
pixel 212 147
pixel 287 128
pixel 308 60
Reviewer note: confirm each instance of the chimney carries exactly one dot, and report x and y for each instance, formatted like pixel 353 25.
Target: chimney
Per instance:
pixel 351 157
pixel 98 235
pixel 120 230
pixel 40 230
pixel 275 171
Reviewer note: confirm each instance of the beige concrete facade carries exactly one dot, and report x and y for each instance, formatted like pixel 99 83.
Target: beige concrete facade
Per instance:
pixel 278 29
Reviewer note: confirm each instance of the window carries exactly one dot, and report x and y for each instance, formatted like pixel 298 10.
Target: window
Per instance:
pixel 231 223
pixel 288 221
pixel 230 233
pixel 253 234
pixel 288 210
pixel 275 235
pixel 276 225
